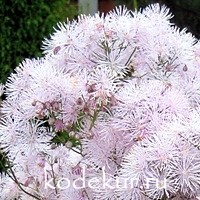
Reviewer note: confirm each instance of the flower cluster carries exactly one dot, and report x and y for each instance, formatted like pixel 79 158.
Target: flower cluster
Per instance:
pixel 111 111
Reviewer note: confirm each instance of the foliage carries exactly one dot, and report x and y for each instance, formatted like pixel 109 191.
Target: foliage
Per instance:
pixel 24 24
pixel 3 162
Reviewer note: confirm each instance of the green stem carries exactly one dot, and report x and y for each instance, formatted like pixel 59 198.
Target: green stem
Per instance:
pixel 135 4
pixel 96 112
pixel 54 179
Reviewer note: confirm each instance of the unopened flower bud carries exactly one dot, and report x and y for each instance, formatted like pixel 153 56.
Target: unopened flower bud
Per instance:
pixel 41 163
pixel 79 101
pixel 90 135
pixel 37 183
pixel 28 181
pixel 47 105
pixel 77 136
pixel 51 121
pixel 34 103
pixel 68 144
pixel 56 50
pixel 40 115
pixel 168 68
pixel 71 134
pixel 53 146
pixel 55 106
pixel 86 109
pixel 185 68
pixel 91 88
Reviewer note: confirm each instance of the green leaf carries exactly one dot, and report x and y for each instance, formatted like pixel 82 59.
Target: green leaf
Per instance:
pixel 3 162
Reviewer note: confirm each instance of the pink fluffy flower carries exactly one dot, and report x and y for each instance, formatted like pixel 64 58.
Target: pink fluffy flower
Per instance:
pixel 111 111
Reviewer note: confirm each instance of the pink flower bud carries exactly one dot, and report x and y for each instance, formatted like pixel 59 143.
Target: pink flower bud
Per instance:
pixel 68 144
pixel 28 181
pixel 34 103
pixel 56 50
pixel 51 121
pixel 55 106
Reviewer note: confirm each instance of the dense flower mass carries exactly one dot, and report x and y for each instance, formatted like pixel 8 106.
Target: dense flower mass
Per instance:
pixel 112 111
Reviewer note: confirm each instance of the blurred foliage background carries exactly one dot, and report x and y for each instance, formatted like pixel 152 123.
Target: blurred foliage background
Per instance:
pixel 24 24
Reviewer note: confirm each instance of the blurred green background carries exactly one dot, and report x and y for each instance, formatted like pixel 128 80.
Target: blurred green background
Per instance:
pixel 24 23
